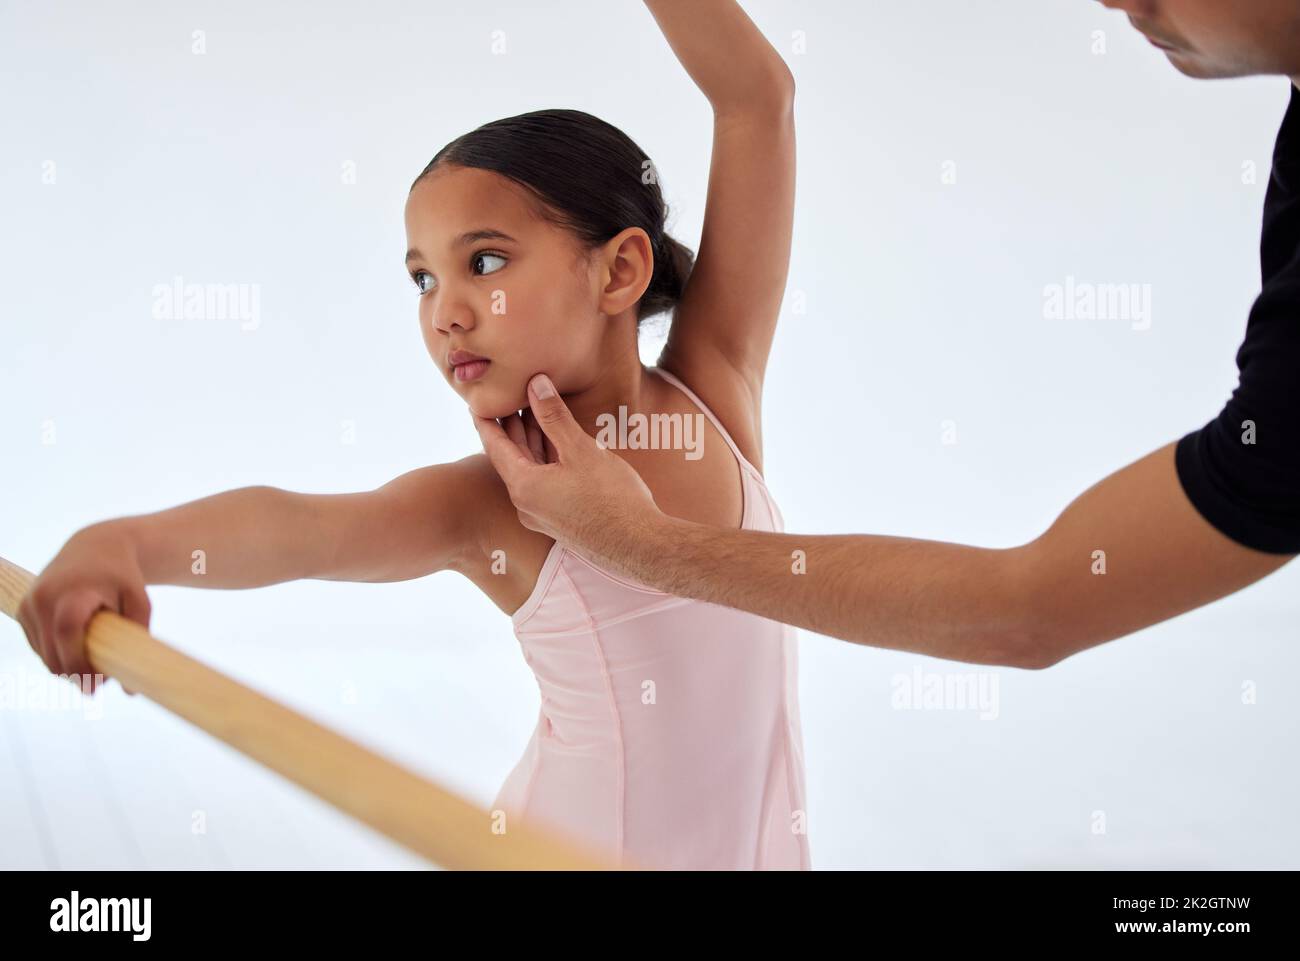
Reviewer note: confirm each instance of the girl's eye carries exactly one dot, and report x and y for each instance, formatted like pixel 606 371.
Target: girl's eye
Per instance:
pixel 484 263
pixel 481 261
pixel 423 286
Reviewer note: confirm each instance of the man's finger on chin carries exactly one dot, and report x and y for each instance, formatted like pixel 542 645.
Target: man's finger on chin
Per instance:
pixel 536 439
pixel 500 449
pixel 515 431
pixel 485 427
pixel 552 414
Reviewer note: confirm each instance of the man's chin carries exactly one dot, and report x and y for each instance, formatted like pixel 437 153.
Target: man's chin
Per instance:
pixel 1190 65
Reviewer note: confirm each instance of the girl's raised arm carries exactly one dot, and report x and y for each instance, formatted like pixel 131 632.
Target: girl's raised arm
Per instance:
pixel 722 331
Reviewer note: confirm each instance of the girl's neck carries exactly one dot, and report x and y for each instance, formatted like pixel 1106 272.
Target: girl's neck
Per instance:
pixel 620 381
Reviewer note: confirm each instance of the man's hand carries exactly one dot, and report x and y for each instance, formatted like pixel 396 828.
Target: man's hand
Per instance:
pixel 561 482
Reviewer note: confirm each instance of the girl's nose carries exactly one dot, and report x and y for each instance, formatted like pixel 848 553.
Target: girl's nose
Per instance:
pixel 452 314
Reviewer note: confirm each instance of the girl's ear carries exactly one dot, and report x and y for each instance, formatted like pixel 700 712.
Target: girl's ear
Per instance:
pixel 626 264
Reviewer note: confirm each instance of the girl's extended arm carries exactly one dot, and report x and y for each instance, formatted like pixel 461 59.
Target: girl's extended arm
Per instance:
pixel 414 525
pixel 727 316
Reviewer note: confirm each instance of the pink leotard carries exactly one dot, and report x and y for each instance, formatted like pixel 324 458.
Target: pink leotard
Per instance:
pixel 669 732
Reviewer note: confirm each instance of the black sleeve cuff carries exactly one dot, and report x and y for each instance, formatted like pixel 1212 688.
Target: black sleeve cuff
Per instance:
pixel 1195 461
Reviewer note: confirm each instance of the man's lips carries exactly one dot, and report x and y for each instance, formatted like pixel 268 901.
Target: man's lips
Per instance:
pixel 1155 40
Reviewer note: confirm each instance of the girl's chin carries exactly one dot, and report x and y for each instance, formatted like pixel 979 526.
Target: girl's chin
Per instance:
pixel 489 407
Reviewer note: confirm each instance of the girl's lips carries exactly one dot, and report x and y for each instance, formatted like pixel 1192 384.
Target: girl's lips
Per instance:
pixel 470 371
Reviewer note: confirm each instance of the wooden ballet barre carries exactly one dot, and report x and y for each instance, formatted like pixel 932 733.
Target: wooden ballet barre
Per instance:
pixel 414 812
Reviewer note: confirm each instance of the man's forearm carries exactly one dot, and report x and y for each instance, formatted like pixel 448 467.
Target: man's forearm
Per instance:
pixel 1128 552
pixel 946 600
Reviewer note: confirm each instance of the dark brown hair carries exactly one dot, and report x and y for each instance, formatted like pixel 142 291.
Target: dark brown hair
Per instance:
pixel 591 179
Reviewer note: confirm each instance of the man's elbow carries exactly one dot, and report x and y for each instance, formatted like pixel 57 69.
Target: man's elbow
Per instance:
pixel 1044 640
pixel 1037 654
pixel 1023 649
pixel 1021 629
pixel 1030 641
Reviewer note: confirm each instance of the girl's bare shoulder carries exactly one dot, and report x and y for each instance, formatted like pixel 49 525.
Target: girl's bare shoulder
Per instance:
pixel 505 557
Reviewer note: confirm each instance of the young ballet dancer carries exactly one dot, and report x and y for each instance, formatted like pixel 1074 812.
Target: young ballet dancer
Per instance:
pixel 669 732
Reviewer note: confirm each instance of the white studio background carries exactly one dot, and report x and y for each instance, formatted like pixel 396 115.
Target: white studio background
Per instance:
pixel 956 159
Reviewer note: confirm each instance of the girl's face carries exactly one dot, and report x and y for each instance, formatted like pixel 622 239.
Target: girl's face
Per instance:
pixel 497 281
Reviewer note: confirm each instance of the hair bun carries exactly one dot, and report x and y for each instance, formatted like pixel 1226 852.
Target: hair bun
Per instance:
pixel 673 264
